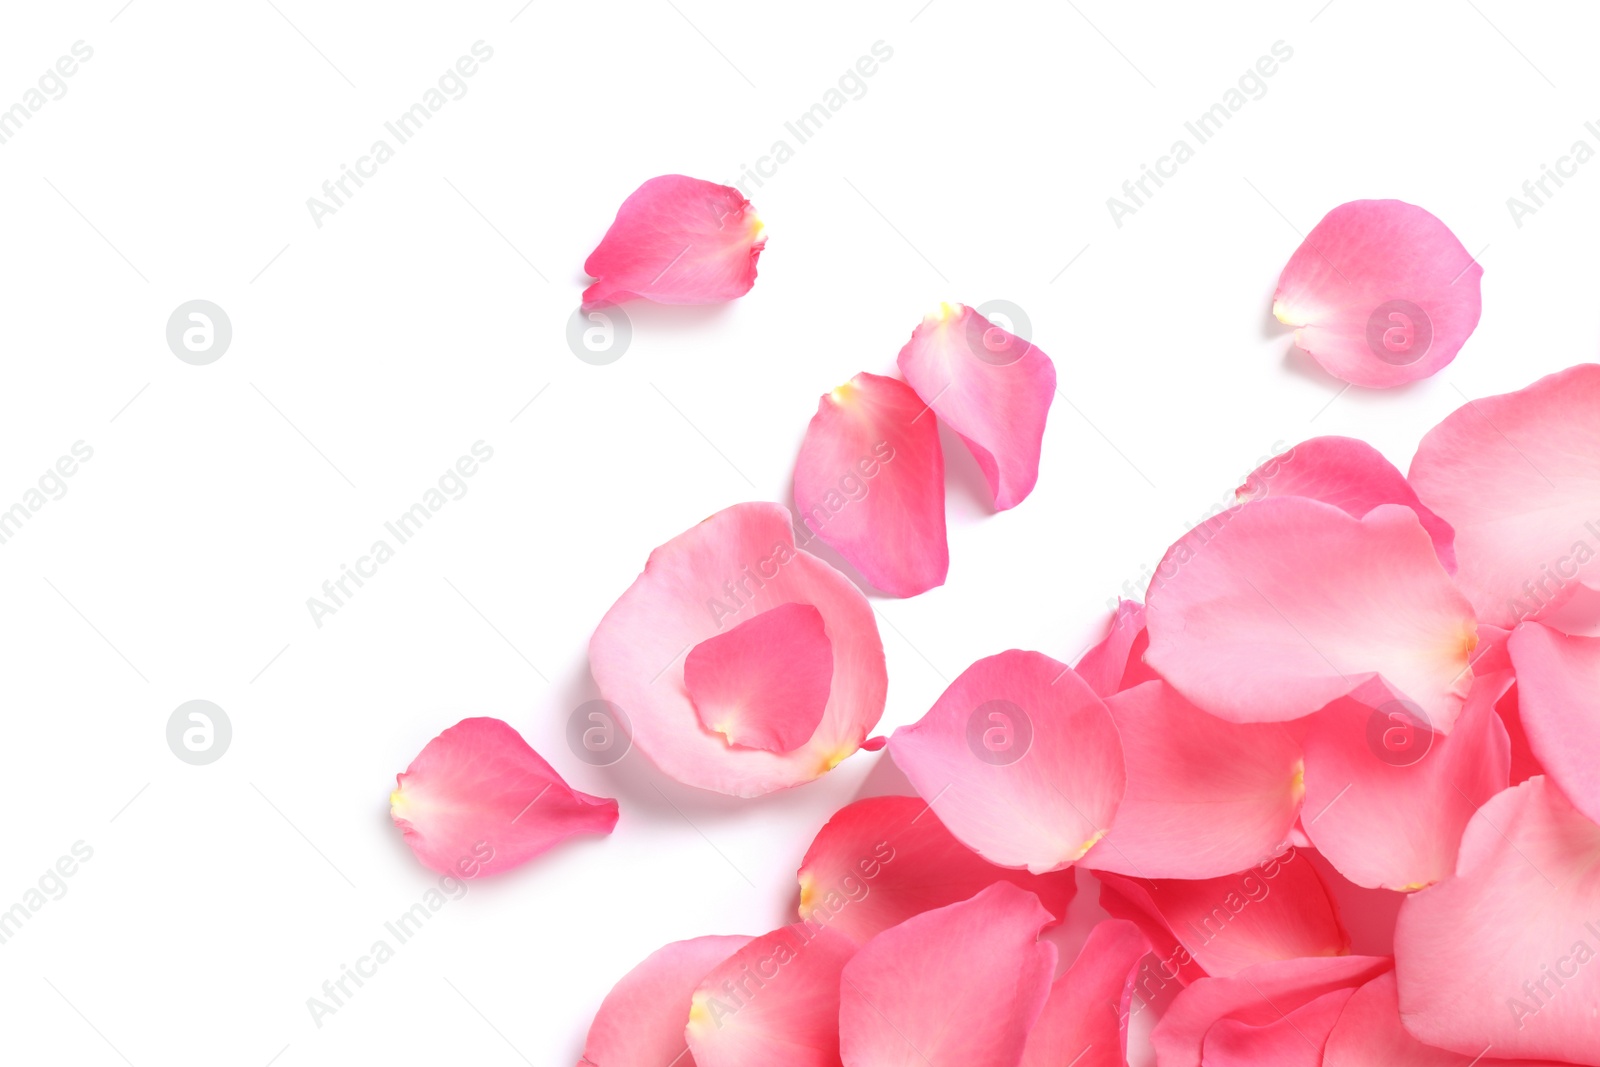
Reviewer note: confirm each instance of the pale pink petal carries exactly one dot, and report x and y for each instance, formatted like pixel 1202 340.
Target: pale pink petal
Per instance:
pixel 1294 1039
pixel 1387 798
pixel 959 985
pixel 870 483
pixel 1518 476
pixel 641 1020
pixel 1219 926
pixel 1277 607
pixel 1085 1021
pixel 477 800
pixel 1117 662
pixel 991 387
pixel 882 860
pixel 1205 797
pixel 1382 293
pixel 1257 996
pixel 1020 760
pixel 733 566
pixel 765 682
pixel 677 240
pixel 1369 1034
pixel 1558 699
pixel 1353 477
pixel 1503 954
pixel 774 1002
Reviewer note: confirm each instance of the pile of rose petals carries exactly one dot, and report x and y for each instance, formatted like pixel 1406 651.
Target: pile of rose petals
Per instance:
pixel 1356 684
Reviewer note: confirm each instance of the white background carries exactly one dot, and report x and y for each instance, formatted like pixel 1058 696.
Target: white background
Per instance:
pixel 422 317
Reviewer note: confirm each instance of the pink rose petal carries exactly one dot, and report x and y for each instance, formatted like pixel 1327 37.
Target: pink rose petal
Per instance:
pixel 870 483
pixel 1369 1034
pixel 1019 759
pixel 677 240
pixel 962 984
pixel 1382 293
pixel 1117 662
pixel 1503 954
pixel 992 388
pixel 1085 1021
pixel 764 683
pixel 882 860
pixel 477 800
pixel 1186 813
pixel 733 566
pixel 1518 476
pixel 1277 607
pixel 1558 700
pixel 642 1019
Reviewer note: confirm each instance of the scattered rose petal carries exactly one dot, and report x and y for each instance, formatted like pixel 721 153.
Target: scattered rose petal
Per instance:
pixel 1259 997
pixel 1204 796
pixel 477 800
pixel 1382 293
pixel 1503 954
pixel 677 240
pixel 733 566
pixel 1387 798
pixel 642 1019
pixel 1085 1021
pixel 1219 926
pixel 764 682
pixel 1558 700
pixel 870 483
pixel 992 388
pixel 1019 759
pixel 882 860
pixel 1353 477
pixel 1518 476
pixel 1117 662
pixel 1277 607
pixel 774 1002
pixel 1369 1034
pixel 962 984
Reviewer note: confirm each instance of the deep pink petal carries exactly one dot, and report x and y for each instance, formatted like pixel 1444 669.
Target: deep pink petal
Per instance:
pixel 992 388
pixel 1503 954
pixel 1020 760
pixel 1258 996
pixel 870 483
pixel 1382 293
pixel 1219 926
pixel 882 860
pixel 1085 1021
pixel 1186 813
pixel 733 566
pixel 1518 476
pixel 1558 699
pixel 764 683
pixel 477 800
pixel 1294 1039
pixel 1117 662
pixel 1353 477
pixel 1387 798
pixel 677 240
pixel 641 1020
pixel 1276 607
pixel 1369 1034
pixel 962 984
pixel 774 1002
